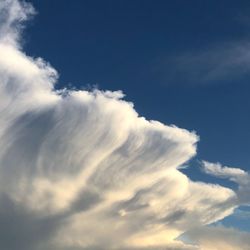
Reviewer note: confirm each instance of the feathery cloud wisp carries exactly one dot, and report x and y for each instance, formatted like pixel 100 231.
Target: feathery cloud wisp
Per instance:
pixel 218 64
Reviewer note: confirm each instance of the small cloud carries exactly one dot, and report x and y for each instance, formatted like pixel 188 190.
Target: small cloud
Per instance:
pixel 237 175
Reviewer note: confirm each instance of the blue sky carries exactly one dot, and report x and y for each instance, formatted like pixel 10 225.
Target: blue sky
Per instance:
pixel 79 169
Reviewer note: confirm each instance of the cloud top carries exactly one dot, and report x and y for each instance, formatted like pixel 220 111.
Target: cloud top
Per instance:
pixel 13 14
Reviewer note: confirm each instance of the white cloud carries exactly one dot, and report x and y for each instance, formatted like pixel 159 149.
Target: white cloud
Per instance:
pixel 82 170
pixel 216 169
pixel 237 175
pixel 12 14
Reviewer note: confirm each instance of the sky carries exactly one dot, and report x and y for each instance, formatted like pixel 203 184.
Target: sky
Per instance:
pixel 124 125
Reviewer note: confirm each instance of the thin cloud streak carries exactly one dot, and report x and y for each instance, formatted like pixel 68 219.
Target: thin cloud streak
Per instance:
pixel 224 63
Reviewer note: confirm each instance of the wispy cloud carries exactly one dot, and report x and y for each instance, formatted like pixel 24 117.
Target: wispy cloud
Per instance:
pixel 82 170
pixel 228 62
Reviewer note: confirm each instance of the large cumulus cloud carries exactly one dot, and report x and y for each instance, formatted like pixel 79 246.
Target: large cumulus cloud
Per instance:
pixel 82 170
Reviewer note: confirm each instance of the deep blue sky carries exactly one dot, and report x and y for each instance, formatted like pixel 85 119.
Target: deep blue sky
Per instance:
pixel 180 62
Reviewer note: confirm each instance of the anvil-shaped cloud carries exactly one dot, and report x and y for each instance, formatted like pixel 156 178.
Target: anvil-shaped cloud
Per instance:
pixel 82 170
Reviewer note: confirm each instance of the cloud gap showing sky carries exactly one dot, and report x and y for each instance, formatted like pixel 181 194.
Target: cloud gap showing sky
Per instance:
pixel 83 170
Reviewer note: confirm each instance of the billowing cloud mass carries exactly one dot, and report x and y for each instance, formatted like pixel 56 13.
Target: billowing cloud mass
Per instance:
pixel 82 170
